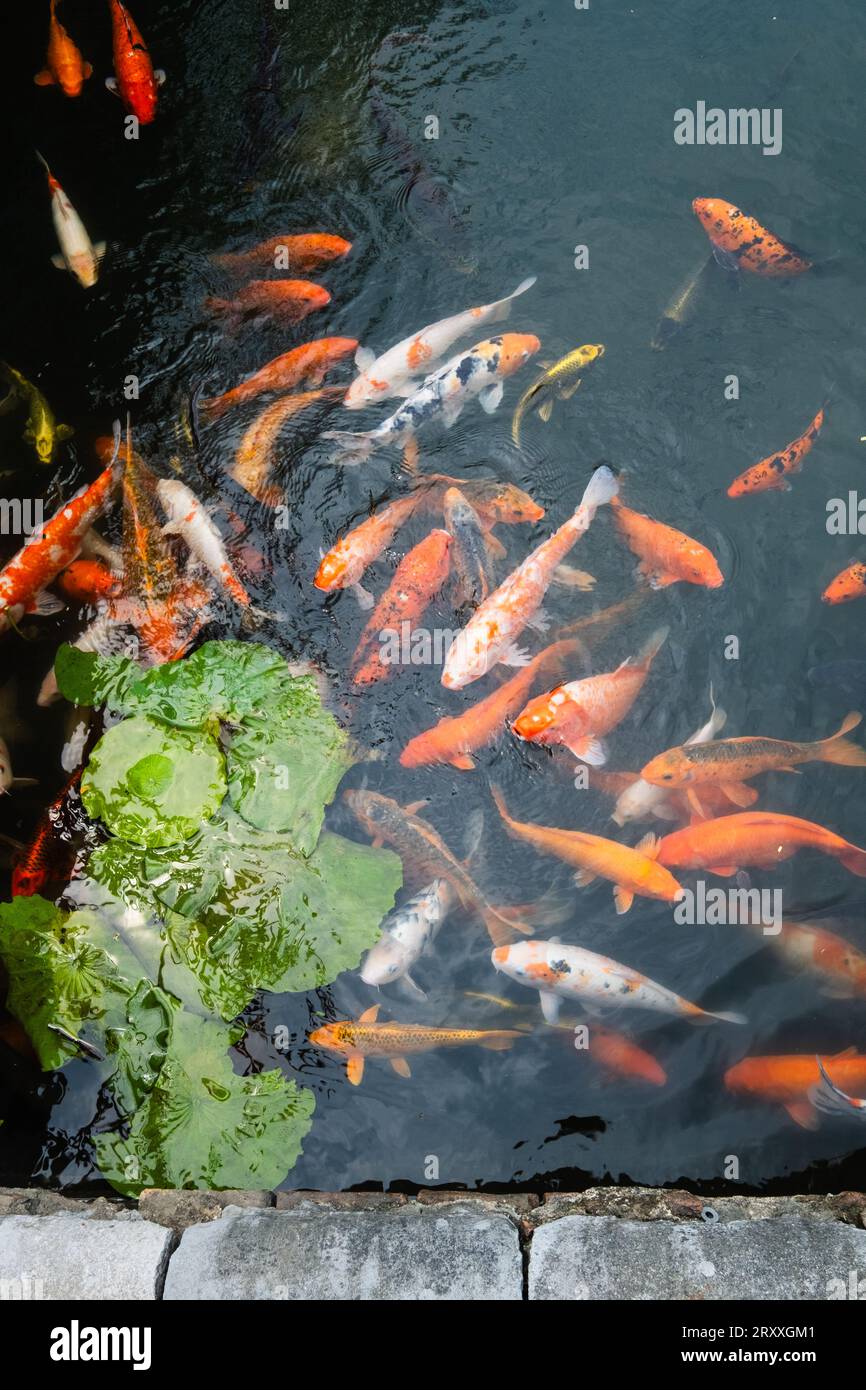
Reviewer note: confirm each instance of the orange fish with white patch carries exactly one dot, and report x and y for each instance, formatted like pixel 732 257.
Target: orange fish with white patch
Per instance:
pixel 789 1080
pixel 579 713
pixel 848 585
pixel 299 254
pixel 417 580
pixel 771 474
pixel 667 556
pixel 356 1041
pixel 633 872
pixel 188 519
pixel 740 242
pixel 65 66
pixel 816 949
pixel 754 839
pixel 344 565
pixel 310 363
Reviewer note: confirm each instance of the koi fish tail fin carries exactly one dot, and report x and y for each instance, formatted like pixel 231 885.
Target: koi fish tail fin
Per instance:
pixel 44 162
pixel 602 487
pixel 651 648
pixel 501 930
pixel 499 802
pixel 706 1016
pixel 502 307
pixel 353 448
pixel 832 1100
pixel 854 860
pixel 840 749
pixel 501 1040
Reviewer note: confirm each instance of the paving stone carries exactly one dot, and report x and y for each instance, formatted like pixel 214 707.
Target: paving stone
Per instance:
pixel 70 1256
pixel 41 1201
pixel 342 1201
pixel 180 1209
pixel 605 1257
pixel 311 1253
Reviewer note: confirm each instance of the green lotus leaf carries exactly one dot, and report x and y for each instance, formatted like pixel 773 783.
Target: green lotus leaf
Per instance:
pixel 136 1049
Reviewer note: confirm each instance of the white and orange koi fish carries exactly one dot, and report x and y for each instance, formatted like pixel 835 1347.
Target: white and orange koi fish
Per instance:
pixel 77 252
pixel 189 520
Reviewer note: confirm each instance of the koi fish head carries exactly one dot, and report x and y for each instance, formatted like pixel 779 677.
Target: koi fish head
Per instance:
pixel 701 567
pixel 712 213
pixel 541 715
pixel 669 769
pixel 314 296
pixel 848 585
pixel 514 350
pixel 504 503
pixel 332 1036
pixel 331 571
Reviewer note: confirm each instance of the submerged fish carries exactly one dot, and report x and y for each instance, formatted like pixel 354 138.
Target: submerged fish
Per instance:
pixel 809 946
pixel 496 503
pixel 560 972
pixel 8 781
pixel 49 857
pixel 78 254
pixel 256 455
pixel 88 581
pixel 667 556
pixel 286 300
pixel 789 1080
pixel 681 307
pixel 188 519
pixel 848 585
pixel 472 550
pixel 740 242
pixel 639 798
pixel 298 254
pixel 771 474
pixel 345 563
pixel 367 1038
pixel 417 580
pixel 832 1100
pixel 559 380
pixel 407 933
pixel 42 430
pixel 310 363
pixel 135 80
pixel 65 66
pixel 394 373
pixel 758 839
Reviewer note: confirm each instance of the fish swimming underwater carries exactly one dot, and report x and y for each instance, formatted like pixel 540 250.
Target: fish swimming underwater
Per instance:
pixel 497 503
pixel 65 66
pixel 808 946
pixel 771 474
pixel 789 1080
pixel 559 381
pixel 288 301
pixel 417 580
pixel 367 1038
pixel 481 371
pixel 832 1100
pixel 559 971
pixel 639 798
pixel 256 455
pixel 491 634
pixel 407 933
pixel 78 254
pixel 578 714
pixel 740 242
pixel 309 363
pixel 682 306
pixel 88 581
pixel 848 585
pixel 298 254
pixel 8 781
pixel 472 552
pixel 50 855
pixel 426 857
pixel 667 556
pixel 346 562
pixel 42 430
pixel 135 80
pixel 753 839
pixel 188 519
pixel 395 373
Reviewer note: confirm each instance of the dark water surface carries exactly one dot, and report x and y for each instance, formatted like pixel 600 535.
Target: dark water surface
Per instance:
pixel 556 129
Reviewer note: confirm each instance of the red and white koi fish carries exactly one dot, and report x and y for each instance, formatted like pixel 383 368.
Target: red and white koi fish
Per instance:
pixel 188 519
pixel 135 82
pixel 78 254
pixel 392 374
pixel 344 565
pixel 491 634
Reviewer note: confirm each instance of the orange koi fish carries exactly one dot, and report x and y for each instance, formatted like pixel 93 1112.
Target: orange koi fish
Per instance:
pixel 807 946
pixel 88 581
pixel 623 1057
pixel 426 857
pixel 310 363
pixel 633 872
pixel 299 254
pixel 417 580
pixel 286 300
pixel 848 585
pixel 65 66
pixel 771 473
pixel 344 565
pixel 497 503
pixel 740 242
pixel 667 556
pixel 737 760
pixel 38 564
pixel 367 1038
pixel 455 738
pixel 135 81
pixel 789 1080
pixel 579 713
pixel 50 855
pixel 256 455
pixel 759 839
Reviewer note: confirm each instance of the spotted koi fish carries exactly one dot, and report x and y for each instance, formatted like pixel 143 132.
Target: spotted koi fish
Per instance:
pixel 772 472
pixel 740 242
pixel 356 1041
pixel 848 585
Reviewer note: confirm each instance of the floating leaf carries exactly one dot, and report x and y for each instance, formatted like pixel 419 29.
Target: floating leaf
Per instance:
pixel 136 1049
pixel 152 784
pixel 87 679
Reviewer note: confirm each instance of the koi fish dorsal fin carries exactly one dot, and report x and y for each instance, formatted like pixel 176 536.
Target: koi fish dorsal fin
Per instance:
pixel 847 1052
pixel 370 1015
pixel 649 845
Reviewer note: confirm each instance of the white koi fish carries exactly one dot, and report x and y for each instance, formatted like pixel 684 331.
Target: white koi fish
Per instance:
pixel 407 932
pixel 642 799
pixel 480 371
pixel 570 972
pixel 77 252
pixel 8 782
pixel 188 519
pixel 392 373
pixel 491 634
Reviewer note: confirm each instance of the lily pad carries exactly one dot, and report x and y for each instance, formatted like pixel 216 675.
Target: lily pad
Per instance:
pixel 152 784
pixel 136 1049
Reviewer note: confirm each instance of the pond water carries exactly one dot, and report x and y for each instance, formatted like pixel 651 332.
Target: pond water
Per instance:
pixel 555 132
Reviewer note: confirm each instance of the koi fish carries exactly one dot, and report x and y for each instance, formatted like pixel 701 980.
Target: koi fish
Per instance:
pixel 832 1100
pixel 88 581
pixel 407 933
pixel 345 563
pixel 65 66
pixel 8 781
pixel 287 300
pixel 455 738
pixel 393 373
pixel 807 946
pixel 38 563
pixel 633 872
pixel 309 363
pixel 50 855
pixel 367 1038
pixel 667 556
pixel 759 839
pixel 639 798
pixel 481 372
pixel 471 551
pixel 256 455
pixel 78 254
pixel 681 307
pixel 148 565
pixel 497 504
pixel 417 580
pixel 42 430
pixel 848 585
pixel 579 713
pixel 771 473
pixel 135 81
pixel 491 634
pixel 789 1080
pixel 737 760
pixel 299 254
pixel 559 380
pixel 426 856
pixel 559 972
pixel 739 242
pixel 188 519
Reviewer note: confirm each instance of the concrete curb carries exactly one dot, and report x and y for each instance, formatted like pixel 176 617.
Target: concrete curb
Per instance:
pixel 604 1243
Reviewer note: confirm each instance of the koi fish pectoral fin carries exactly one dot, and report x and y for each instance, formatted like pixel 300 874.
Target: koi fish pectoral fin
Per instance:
pixel 159 77
pixel 44 78
pixel 515 656
pixel 58 261
pixel 589 750
pixel 583 878
pixel 491 397
pixel 400 1066
pixel 622 898
pixel 739 793
pixel 726 259
pixel 802 1112
pixel 111 86
pixel 355 1069
pixel 545 410
pixel 550 1005
pixel 463 762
